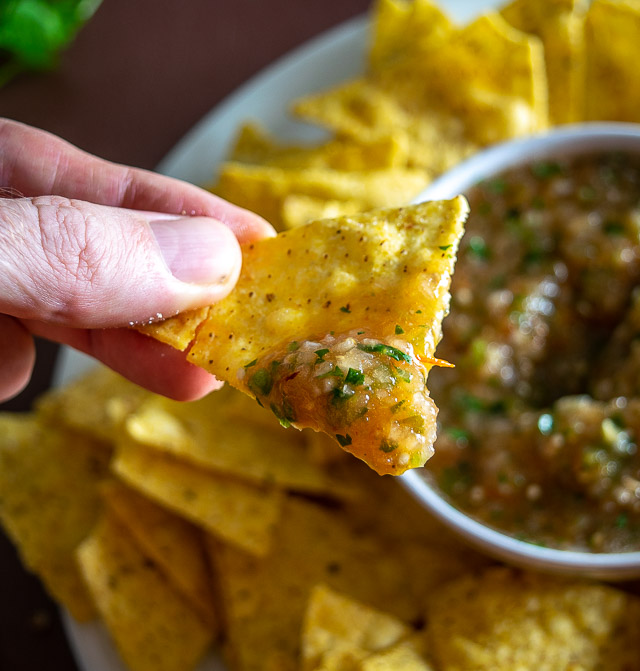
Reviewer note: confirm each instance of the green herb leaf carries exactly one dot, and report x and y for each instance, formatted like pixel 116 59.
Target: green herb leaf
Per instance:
pixel 388 445
pixel 344 440
pixel 321 353
pixel 261 382
pixel 399 329
pixel 354 377
pixel 388 350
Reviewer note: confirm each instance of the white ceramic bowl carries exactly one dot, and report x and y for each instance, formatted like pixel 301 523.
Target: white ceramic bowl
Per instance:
pixel 562 142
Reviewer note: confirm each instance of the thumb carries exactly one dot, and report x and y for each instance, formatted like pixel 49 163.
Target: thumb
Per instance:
pixel 81 265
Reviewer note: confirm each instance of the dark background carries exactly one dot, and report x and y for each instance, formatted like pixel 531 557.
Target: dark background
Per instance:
pixel 135 80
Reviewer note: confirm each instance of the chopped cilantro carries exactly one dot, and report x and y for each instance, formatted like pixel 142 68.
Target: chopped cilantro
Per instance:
pixel 342 393
pixel 284 421
pixel 415 422
pixel 345 308
pixel 334 372
pixel 293 346
pixel 261 382
pixel 399 329
pixel 546 169
pixel 444 247
pixel 320 353
pixel 388 350
pixel 354 377
pixel 251 363
pixel 622 520
pixel 478 248
pixel 396 406
pixel 388 445
pixel 497 186
pixel 403 374
pixel 613 228
pixel 458 434
pixel 344 440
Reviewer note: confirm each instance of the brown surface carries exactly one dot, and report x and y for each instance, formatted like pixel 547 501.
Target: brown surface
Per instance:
pixel 139 75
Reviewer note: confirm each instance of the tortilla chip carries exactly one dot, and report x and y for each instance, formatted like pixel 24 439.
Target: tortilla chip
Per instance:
pixel 560 26
pixel 232 510
pixel 363 110
pixel 501 88
pixel 505 619
pixel 263 189
pixel 179 331
pixel 228 439
pixel 379 281
pixel 299 210
pixel 172 543
pixel 335 624
pixel 153 628
pixel 612 87
pixel 400 28
pixel 264 599
pixel 49 501
pixel 94 404
pixel 407 655
pixel 255 146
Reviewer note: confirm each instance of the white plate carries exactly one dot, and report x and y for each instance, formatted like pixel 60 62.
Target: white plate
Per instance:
pixel 333 57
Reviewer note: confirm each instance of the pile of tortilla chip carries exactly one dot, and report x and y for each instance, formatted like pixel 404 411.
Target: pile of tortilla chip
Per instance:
pixel 205 529
pixel 433 93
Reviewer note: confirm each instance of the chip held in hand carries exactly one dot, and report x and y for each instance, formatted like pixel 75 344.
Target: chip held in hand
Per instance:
pixel 334 325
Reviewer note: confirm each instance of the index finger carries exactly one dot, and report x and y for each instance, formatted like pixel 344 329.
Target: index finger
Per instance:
pixel 36 163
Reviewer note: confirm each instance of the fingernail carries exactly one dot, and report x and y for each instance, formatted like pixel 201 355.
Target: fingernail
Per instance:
pixel 198 250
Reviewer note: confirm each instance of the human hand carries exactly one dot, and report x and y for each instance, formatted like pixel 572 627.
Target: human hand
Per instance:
pixel 88 247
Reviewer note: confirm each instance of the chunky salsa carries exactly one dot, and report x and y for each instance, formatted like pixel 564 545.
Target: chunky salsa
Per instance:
pixel 540 419
pixel 371 395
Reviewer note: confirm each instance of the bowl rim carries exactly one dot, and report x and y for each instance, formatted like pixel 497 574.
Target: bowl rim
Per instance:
pixel 566 140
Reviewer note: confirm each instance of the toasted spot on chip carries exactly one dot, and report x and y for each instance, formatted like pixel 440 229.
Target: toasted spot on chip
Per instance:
pixel 49 500
pixel 236 512
pixel 170 541
pixel 153 628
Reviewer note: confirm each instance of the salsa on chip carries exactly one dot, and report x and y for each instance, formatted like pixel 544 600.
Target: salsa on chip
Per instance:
pixel 334 325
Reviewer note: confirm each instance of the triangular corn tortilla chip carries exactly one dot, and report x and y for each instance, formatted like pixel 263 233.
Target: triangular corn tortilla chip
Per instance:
pixel 363 110
pixel 335 623
pixel 224 434
pixel 234 511
pixel 95 403
pixel 263 189
pixel 504 619
pixel 49 500
pixel 170 541
pixel 560 26
pixel 254 145
pixel 612 87
pixel 334 325
pixel 399 27
pixel 152 626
